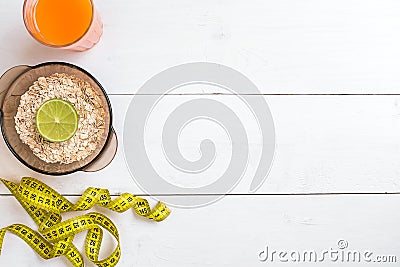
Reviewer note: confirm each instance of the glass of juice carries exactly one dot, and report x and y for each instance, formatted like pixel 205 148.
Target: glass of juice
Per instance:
pixel 68 24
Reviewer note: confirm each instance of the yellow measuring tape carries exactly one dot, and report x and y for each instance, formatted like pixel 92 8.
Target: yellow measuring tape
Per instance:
pixel 55 237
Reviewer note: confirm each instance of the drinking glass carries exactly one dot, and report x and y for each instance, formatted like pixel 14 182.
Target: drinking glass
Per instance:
pixel 89 35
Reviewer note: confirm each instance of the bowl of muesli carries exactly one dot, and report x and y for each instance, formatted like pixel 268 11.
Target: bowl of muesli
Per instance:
pixel 26 89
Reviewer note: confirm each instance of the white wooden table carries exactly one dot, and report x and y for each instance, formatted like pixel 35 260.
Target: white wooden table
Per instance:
pixel 329 71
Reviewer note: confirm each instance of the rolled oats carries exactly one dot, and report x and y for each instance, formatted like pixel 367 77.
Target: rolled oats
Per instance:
pixel 88 106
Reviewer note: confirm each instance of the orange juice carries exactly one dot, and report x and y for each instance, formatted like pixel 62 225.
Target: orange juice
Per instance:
pixel 62 22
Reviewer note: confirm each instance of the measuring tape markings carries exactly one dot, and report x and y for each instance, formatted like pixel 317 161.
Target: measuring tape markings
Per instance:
pixel 55 237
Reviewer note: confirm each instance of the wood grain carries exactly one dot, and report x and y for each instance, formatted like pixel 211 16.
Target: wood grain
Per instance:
pixel 325 144
pixel 224 234
pixel 329 47
pixel 327 69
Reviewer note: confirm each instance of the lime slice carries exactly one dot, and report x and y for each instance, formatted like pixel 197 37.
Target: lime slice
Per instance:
pixel 57 120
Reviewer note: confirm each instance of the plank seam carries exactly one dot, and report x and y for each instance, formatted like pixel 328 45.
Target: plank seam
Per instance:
pixel 241 194
pixel 261 94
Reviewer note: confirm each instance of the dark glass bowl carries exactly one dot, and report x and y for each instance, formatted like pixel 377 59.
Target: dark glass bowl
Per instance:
pixel 15 82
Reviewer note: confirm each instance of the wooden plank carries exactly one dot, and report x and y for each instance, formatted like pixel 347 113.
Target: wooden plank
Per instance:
pixel 227 234
pixel 336 46
pixel 324 144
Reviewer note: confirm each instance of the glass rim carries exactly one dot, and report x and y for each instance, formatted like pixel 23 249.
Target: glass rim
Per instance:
pixel 24 10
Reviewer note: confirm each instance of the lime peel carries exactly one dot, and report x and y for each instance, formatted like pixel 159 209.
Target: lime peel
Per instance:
pixel 57 120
